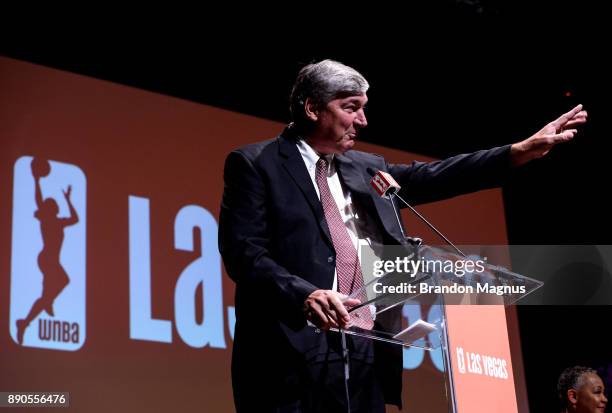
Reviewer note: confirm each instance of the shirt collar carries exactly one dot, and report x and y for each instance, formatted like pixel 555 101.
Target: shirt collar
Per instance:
pixel 311 156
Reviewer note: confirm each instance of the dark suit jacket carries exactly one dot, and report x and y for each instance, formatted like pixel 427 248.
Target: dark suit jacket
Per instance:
pixel 276 246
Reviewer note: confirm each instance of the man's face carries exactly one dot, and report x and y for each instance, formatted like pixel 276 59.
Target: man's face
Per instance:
pixel 590 395
pixel 338 124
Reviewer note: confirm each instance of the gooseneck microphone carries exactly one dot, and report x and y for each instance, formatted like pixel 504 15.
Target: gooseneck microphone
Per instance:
pixel 385 186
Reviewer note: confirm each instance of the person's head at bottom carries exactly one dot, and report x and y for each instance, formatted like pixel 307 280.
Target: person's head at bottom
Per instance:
pixel 581 390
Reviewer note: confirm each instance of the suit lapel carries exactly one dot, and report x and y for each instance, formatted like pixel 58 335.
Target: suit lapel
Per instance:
pixel 294 165
pixel 352 174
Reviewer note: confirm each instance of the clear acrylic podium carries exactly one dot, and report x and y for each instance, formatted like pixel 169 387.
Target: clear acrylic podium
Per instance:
pixel 431 276
pixel 397 277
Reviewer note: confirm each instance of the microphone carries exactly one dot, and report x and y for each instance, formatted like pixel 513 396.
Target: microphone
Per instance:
pixel 383 183
pixel 385 186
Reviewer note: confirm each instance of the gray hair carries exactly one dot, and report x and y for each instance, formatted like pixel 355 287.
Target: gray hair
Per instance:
pixel 571 379
pixel 323 82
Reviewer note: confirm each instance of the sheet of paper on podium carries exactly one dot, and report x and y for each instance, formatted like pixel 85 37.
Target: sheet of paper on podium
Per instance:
pixel 415 331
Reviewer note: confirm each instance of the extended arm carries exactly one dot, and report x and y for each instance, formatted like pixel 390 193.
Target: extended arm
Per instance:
pixel 74 217
pixel 426 182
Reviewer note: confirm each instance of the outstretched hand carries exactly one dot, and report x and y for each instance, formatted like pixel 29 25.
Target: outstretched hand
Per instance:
pixel 560 130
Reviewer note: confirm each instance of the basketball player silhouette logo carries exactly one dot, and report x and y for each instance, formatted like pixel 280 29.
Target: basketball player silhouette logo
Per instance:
pixel 55 278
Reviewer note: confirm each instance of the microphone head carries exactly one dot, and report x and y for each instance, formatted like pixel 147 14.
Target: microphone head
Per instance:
pixel 371 171
pixel 383 183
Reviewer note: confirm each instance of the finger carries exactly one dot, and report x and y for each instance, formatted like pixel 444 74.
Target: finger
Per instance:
pixel 324 304
pixel 561 120
pixel 578 117
pixel 318 317
pixel 581 114
pixel 351 302
pixel 333 324
pixel 339 308
pixel 563 136
pixel 334 318
pixel 575 110
pixel 574 123
pixel 329 319
pixel 348 302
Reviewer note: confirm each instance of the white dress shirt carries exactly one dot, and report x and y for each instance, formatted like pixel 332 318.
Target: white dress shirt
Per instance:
pixel 341 195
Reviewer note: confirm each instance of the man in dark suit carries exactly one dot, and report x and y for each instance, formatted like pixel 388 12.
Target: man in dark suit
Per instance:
pixel 294 210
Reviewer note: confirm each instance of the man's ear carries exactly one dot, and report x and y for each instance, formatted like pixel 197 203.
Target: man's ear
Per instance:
pixel 571 396
pixel 311 110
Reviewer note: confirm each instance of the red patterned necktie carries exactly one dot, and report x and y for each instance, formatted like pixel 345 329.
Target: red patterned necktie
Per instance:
pixel 348 269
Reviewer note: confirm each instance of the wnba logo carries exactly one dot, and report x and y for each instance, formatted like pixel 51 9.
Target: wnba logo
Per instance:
pixel 48 255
